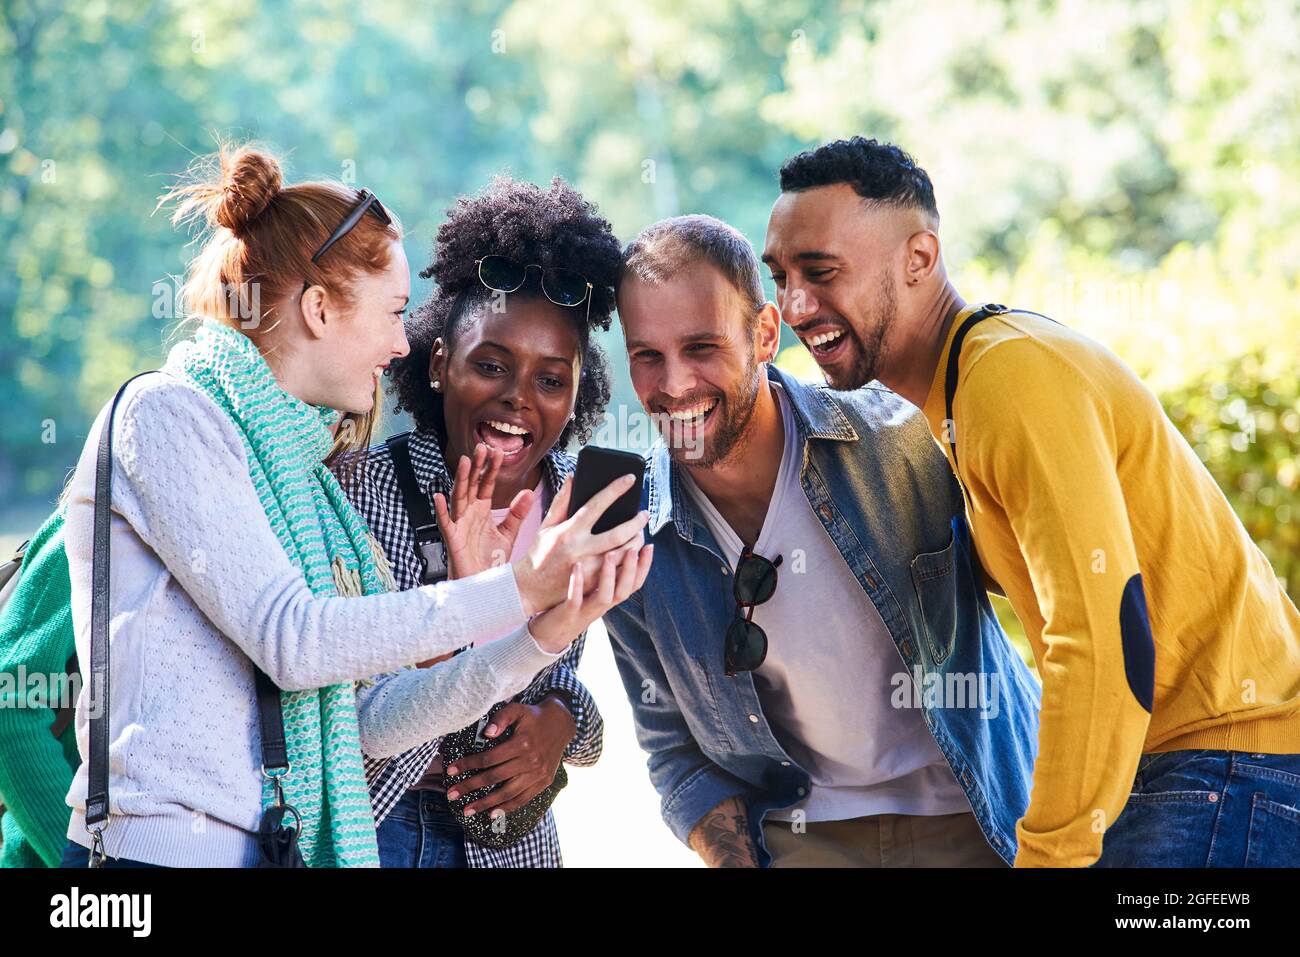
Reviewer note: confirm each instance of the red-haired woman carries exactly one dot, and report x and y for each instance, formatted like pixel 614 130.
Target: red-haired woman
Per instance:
pixel 233 548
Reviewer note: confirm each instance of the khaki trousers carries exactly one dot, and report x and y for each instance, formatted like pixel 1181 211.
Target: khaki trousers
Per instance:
pixel 882 840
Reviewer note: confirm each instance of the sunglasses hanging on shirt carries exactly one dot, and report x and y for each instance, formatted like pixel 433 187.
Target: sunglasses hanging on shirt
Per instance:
pixel 753 584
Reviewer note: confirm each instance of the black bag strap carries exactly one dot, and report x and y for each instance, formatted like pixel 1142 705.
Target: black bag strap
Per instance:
pixel 270 712
pixel 275 752
pixel 954 356
pixel 428 540
pixel 950 392
pixel 97 762
pixel 950 376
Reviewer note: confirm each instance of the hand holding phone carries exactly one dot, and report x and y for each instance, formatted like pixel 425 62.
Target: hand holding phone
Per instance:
pixel 597 468
pixel 569 535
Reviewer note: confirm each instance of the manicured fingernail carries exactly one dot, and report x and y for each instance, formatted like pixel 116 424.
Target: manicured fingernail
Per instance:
pixel 491 730
pixel 629 479
pixel 452 795
pixel 497 814
pixel 452 770
pixel 469 812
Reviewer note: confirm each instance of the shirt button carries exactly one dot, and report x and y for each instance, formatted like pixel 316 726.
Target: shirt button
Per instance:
pixel 726 570
pixel 1213 798
pixel 785 764
pixel 754 718
pixel 801 792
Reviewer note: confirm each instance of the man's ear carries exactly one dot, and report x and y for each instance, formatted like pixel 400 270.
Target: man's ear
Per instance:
pixel 438 362
pixel 922 256
pixel 767 334
pixel 311 306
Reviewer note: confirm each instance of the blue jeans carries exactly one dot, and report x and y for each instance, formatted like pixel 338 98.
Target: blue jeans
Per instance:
pixel 1209 809
pixel 74 855
pixel 421 831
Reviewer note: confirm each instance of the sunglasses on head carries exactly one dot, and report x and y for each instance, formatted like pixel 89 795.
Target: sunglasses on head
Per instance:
pixel 564 287
pixel 367 202
pixel 753 584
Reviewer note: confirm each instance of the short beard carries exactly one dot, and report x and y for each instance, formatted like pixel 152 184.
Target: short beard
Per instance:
pixel 730 434
pixel 871 350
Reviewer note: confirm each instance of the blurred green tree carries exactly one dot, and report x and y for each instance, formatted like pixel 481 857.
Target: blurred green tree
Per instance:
pixel 1131 168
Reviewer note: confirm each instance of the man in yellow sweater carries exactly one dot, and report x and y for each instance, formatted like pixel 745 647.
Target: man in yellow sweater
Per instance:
pixel 1168 650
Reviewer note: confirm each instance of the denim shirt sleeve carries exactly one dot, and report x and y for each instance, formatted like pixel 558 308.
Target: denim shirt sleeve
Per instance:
pixel 689 784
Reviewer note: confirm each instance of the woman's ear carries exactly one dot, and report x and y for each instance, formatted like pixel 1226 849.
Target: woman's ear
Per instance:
pixel 311 306
pixel 437 365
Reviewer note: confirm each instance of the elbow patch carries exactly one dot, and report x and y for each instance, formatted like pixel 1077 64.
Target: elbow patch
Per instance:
pixel 1139 646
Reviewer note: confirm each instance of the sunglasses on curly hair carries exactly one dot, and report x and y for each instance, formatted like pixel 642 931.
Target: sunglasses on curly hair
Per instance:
pixel 564 287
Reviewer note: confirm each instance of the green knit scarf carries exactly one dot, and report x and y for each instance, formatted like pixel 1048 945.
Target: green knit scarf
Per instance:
pixel 286 441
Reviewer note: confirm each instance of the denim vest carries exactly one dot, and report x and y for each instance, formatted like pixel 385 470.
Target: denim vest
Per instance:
pixel 884 493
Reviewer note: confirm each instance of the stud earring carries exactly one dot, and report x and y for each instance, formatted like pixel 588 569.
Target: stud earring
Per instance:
pixel 436 384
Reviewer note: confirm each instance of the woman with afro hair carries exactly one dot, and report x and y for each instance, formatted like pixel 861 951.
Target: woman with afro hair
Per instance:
pixel 502 375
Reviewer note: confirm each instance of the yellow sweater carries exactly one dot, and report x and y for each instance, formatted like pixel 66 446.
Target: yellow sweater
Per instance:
pixel 1091 511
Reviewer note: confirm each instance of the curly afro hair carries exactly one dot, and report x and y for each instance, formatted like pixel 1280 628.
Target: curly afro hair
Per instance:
pixel 877 171
pixel 523 222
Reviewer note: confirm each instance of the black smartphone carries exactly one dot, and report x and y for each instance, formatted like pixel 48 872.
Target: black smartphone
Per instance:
pixel 597 467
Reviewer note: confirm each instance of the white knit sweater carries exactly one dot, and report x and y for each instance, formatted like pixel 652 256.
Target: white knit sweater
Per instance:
pixel 201 585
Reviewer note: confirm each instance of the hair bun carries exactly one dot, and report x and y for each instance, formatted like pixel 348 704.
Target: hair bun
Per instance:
pixel 250 179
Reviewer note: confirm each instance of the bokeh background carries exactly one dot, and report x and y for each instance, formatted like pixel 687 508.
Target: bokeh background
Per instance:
pixel 1130 167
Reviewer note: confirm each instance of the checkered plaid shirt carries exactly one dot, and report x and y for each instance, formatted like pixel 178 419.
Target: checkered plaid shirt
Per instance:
pixel 374 491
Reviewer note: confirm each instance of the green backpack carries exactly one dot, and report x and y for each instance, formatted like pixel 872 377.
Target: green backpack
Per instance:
pixel 38 746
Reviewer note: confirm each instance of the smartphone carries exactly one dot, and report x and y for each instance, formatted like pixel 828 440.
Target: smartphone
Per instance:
pixel 597 467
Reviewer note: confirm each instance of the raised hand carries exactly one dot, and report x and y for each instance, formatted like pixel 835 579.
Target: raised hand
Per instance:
pixel 474 540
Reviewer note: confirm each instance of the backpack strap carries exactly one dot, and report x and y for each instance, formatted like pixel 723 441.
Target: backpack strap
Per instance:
pixel 428 540
pixel 9 570
pixel 950 375
pixel 954 356
pixel 65 715
pixel 950 426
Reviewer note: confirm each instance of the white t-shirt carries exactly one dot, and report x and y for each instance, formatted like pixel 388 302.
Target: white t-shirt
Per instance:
pixel 825 685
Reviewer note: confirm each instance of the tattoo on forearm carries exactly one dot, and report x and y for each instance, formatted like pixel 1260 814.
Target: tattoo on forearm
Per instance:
pixel 722 837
